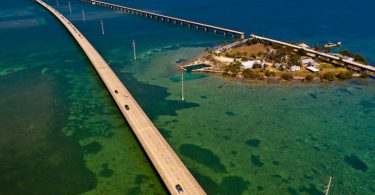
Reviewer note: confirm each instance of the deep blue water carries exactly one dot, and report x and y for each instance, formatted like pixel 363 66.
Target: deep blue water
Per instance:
pixel 315 22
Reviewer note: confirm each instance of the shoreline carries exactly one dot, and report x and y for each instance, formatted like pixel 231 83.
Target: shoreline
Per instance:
pixel 270 80
pixel 216 63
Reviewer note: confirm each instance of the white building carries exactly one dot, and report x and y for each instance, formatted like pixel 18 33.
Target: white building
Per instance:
pixel 309 62
pixel 312 69
pixel 250 63
pixel 295 68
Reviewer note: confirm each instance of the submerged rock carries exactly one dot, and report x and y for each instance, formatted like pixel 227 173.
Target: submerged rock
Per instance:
pixel 354 161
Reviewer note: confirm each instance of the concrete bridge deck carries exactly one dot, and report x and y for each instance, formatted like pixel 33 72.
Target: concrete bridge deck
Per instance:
pixel 189 23
pixel 317 53
pixel 166 162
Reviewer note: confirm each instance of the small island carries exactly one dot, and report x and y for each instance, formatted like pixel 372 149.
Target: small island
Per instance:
pixel 254 59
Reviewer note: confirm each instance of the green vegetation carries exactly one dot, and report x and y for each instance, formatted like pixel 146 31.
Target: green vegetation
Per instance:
pixel 345 52
pixel 233 68
pixel 252 74
pixel 286 56
pixel 294 59
pixel 364 75
pixel 357 57
pixel 301 52
pixel 309 77
pixel 252 41
pixel 287 76
pixel 269 73
pixel 330 76
pixel 345 75
pixel 257 66
pixel 276 46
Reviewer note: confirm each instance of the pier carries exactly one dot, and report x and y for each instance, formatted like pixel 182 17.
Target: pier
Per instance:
pixel 169 166
pixel 314 53
pixel 181 22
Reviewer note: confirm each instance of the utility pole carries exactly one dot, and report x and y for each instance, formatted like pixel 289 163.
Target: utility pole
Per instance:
pixel 328 186
pixel 134 50
pixel 101 22
pixel 83 15
pixel 182 87
pixel 70 8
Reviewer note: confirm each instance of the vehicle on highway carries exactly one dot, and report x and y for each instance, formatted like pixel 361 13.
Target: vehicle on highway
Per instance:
pixel 116 92
pixel 179 189
pixel 127 107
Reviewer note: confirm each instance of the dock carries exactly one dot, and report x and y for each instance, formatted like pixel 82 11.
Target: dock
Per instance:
pixel 181 22
pixel 314 53
pixel 169 166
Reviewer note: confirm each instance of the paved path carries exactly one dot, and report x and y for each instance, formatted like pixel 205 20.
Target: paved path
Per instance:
pixel 167 163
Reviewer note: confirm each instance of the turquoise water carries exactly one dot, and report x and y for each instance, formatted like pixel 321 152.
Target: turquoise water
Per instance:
pixel 60 132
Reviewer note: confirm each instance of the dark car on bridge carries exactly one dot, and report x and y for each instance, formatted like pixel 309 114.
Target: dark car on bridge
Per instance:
pixel 127 107
pixel 179 189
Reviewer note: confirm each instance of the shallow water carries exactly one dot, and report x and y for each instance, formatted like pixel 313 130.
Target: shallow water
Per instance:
pixel 61 133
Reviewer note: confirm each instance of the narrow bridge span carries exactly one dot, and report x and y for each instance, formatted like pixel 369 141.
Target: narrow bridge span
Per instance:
pixel 182 22
pixel 331 57
pixel 170 168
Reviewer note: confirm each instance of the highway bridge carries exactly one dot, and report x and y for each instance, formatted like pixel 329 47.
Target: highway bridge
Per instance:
pixel 169 166
pixel 182 22
pixel 317 53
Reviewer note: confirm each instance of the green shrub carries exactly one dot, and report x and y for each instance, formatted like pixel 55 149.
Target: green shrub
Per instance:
pixel 287 76
pixel 328 76
pixel 233 68
pixel 294 60
pixel 301 52
pixel 364 75
pixel 252 41
pixel 252 74
pixel 345 75
pixel 257 66
pixel 269 73
pixel 359 58
pixel 346 53
pixel 309 77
